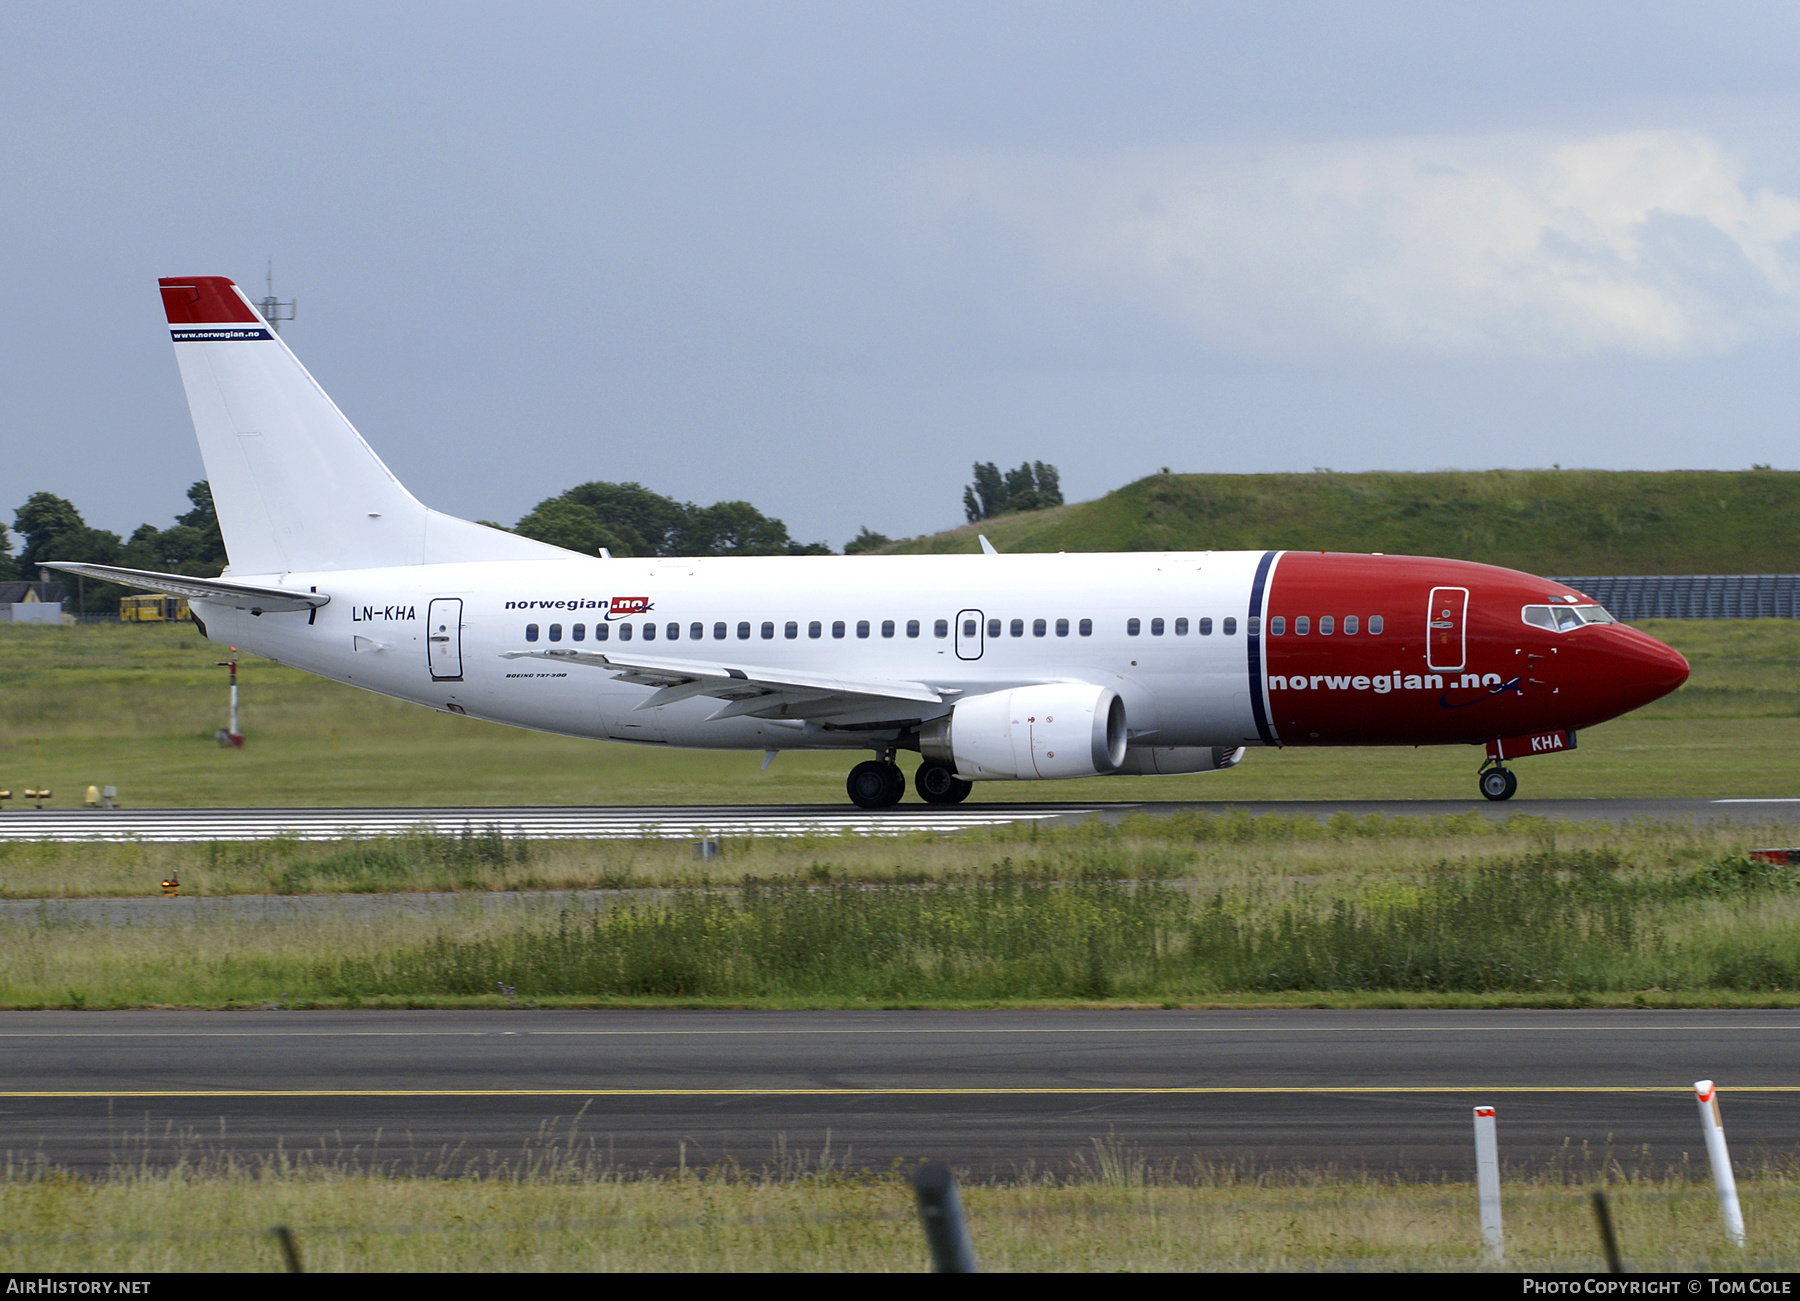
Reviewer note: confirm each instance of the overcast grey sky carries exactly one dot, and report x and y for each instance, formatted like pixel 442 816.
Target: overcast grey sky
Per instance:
pixel 823 256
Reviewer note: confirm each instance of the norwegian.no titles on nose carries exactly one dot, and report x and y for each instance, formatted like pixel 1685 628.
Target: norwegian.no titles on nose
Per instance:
pixel 992 667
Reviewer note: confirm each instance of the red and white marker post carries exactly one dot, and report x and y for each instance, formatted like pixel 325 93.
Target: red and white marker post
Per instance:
pixel 1487 1182
pixel 1714 1129
pixel 231 736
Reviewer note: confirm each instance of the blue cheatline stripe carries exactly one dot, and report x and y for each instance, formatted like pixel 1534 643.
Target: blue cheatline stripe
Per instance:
pixel 1253 642
pixel 219 334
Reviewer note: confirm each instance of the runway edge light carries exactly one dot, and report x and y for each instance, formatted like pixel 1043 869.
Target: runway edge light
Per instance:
pixel 1714 1130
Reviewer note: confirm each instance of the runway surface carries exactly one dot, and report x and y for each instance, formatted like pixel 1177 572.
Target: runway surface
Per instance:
pixel 992 1092
pixel 695 822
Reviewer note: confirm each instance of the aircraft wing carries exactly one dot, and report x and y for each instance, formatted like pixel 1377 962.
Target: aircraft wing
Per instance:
pixel 243 595
pixel 746 690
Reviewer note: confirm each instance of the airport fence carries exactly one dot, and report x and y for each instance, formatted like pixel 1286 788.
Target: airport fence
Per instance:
pixel 1694 596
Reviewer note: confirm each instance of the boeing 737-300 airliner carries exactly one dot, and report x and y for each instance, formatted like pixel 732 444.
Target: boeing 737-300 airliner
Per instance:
pixel 992 667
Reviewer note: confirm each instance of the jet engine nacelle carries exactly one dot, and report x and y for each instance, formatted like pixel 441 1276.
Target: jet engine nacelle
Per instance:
pixel 1166 760
pixel 1059 729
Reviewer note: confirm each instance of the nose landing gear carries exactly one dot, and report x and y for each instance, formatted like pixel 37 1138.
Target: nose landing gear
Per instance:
pixel 1497 783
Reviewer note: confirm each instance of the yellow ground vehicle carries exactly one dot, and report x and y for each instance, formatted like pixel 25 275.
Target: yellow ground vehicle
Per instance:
pixel 154 609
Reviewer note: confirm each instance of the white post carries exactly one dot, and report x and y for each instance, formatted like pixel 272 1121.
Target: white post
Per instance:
pixel 1714 1129
pixel 1487 1182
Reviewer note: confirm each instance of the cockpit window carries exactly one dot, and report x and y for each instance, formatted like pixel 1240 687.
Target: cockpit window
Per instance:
pixel 1563 618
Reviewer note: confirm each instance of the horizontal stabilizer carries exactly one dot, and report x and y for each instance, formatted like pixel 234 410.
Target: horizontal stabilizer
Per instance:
pixel 223 590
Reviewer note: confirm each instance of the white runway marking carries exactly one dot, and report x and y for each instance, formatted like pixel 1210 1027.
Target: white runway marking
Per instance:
pixel 536 824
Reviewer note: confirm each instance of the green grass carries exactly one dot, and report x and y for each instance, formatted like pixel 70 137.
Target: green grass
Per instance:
pixel 1569 522
pixel 1195 909
pixel 136 706
pixel 562 1207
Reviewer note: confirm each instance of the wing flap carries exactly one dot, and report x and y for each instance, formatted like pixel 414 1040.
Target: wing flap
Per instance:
pixel 746 690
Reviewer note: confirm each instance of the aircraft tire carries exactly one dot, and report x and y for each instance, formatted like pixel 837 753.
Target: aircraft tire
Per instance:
pixel 873 784
pixel 1499 783
pixel 938 784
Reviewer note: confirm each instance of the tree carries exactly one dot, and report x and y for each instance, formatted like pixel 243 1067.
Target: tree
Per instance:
pixel 866 541
pixel 572 526
pixel 730 528
pixel 644 522
pixel 1033 486
pixel 629 519
pixel 9 566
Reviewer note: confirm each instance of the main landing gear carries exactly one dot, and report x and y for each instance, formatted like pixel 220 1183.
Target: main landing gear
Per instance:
pixel 879 784
pixel 1497 783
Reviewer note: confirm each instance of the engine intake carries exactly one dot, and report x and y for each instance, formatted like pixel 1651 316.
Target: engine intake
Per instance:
pixel 1059 729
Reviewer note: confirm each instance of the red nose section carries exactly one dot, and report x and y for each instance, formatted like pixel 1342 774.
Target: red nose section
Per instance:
pixel 1645 669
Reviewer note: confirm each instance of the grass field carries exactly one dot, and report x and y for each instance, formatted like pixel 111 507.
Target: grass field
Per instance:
pixel 136 706
pixel 568 1211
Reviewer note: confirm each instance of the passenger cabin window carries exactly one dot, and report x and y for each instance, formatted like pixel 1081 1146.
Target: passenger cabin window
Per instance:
pixel 718 632
pixel 1039 628
pixel 790 630
pixel 1349 625
pixel 1062 627
pixel 1374 625
pixel 815 630
pixel 1086 628
pixel 1302 626
pixel 624 632
pixel 1277 626
pixel 969 626
pixel 1018 627
pixel 602 631
pixel 837 629
pixel 768 631
pixel 1206 627
pixel 862 627
pixel 887 627
pixel 743 632
pixel 1230 629
pixel 912 627
pixel 1181 627
pixel 673 632
pixel 578 632
pixel 556 632
pixel 1325 625
pixel 531 632
pixel 993 627
pixel 942 628
pixel 1156 627
pixel 696 631
pixel 649 632
pixel 1132 627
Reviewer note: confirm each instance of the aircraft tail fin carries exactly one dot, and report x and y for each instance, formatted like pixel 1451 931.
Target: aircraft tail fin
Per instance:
pixel 295 485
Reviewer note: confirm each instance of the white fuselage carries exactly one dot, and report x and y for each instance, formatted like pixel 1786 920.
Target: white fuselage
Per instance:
pixel 902 618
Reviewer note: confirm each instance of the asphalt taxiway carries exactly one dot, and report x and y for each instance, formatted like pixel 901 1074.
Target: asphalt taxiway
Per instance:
pixel 992 1092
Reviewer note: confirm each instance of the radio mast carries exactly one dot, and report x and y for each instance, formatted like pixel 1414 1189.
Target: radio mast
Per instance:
pixel 273 310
